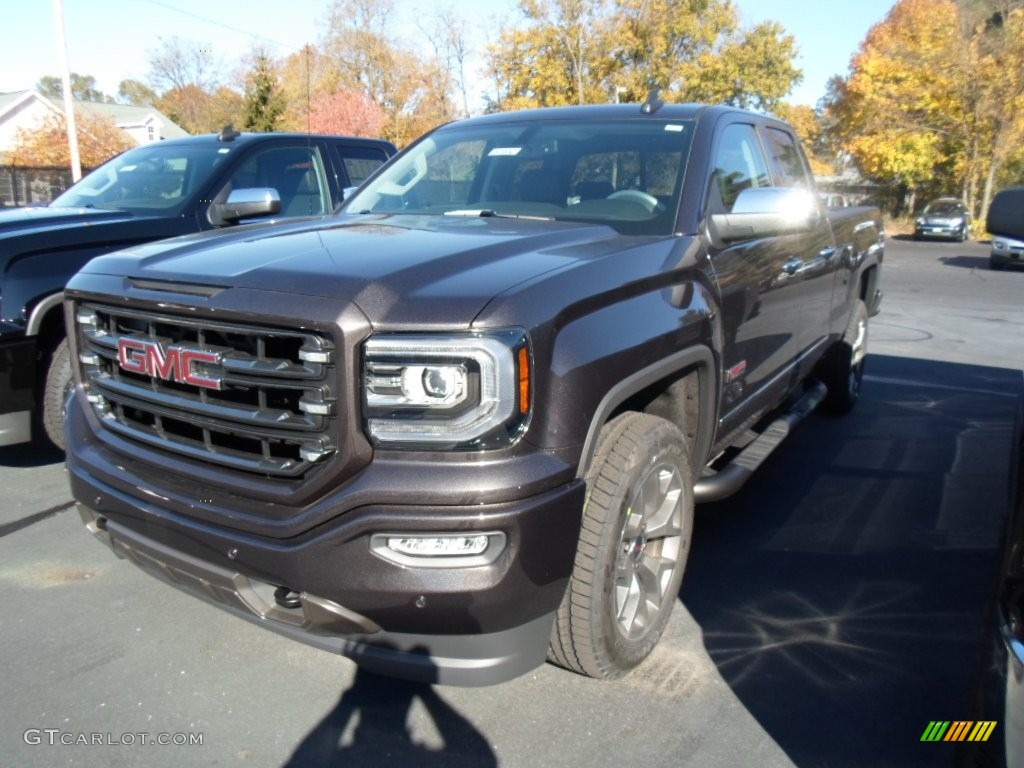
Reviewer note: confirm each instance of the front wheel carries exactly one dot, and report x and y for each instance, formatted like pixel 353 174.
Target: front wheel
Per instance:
pixel 842 370
pixel 634 541
pixel 55 391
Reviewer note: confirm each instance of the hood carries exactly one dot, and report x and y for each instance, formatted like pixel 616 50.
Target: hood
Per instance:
pixel 26 231
pixel 15 221
pixel 427 270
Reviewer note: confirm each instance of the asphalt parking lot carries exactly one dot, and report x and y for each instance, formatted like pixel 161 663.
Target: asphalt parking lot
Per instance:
pixel 830 610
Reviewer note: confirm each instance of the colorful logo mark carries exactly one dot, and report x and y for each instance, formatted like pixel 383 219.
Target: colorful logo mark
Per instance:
pixel 959 730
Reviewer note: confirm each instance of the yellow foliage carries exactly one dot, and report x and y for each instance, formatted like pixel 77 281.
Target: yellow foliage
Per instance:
pixel 99 139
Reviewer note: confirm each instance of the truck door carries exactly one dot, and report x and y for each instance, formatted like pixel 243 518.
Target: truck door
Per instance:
pixel 814 248
pixel 759 286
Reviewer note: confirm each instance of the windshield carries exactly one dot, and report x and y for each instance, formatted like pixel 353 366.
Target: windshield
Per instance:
pixel 624 173
pixel 943 208
pixel 155 177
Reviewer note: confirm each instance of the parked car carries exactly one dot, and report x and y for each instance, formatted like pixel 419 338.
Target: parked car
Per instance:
pixel 1006 224
pixel 947 218
pixel 467 419
pixel 152 192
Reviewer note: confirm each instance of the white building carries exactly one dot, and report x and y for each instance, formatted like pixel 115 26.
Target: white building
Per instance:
pixel 29 109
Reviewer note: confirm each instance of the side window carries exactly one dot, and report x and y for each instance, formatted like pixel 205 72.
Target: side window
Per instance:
pixel 360 162
pixel 297 173
pixel 739 164
pixel 786 162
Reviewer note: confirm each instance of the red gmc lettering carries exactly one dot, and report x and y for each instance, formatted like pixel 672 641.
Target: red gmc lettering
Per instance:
pixel 177 363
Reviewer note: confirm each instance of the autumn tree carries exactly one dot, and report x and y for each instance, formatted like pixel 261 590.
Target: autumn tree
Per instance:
pixel 810 126
pixel 352 113
pixel 929 107
pixel 187 76
pixel 586 51
pixel 365 56
pixel 263 102
pixel 99 139
pixel 303 76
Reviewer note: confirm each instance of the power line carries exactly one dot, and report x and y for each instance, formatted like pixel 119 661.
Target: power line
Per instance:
pixel 221 24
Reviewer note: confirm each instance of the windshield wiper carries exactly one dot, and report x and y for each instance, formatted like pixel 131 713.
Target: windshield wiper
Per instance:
pixel 488 213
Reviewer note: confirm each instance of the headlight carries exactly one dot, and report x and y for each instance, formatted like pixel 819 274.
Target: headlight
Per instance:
pixel 999 245
pixel 920 222
pixel 468 391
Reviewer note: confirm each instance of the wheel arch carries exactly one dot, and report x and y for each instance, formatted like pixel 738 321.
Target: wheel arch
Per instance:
pixel 680 388
pixel 46 321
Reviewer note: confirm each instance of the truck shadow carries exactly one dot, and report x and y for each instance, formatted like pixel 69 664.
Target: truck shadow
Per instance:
pixel 967 262
pixel 377 723
pixel 842 594
pixel 34 454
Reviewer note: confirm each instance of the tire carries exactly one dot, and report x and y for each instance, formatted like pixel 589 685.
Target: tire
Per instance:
pixel 842 369
pixel 55 390
pixel 634 541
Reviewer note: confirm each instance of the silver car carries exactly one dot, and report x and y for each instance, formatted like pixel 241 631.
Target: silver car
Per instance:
pixel 946 217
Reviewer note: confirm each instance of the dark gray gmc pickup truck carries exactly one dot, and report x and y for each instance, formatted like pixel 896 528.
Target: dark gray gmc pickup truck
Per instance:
pixel 462 425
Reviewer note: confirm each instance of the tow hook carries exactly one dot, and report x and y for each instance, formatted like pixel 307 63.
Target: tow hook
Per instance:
pixel 287 598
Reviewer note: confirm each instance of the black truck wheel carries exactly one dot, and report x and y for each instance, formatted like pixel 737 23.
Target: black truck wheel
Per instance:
pixel 633 546
pixel 842 370
pixel 55 389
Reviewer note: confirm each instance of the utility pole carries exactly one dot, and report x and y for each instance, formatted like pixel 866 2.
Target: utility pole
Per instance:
pixel 69 106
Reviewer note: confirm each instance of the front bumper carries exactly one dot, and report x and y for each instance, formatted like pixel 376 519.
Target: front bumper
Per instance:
pixel 17 387
pixel 1007 251
pixel 474 625
pixel 941 231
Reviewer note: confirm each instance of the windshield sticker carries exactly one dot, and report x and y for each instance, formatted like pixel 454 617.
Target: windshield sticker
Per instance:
pixel 674 128
pixel 223 151
pixel 504 151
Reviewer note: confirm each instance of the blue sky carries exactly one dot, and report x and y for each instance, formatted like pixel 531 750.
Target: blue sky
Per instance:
pixel 109 38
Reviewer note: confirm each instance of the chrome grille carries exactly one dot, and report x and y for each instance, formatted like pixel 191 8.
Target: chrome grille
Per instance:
pixel 265 404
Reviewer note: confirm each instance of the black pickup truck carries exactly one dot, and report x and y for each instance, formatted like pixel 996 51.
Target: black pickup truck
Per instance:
pixel 160 190
pixel 463 424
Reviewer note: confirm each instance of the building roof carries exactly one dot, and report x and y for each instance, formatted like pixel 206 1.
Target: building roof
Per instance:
pixel 123 115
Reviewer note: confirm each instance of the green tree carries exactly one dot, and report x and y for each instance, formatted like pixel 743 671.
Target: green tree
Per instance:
pixel 83 88
pixel 136 93
pixel 264 104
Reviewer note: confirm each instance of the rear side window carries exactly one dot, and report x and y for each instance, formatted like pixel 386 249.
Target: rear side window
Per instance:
pixel 786 162
pixel 360 162
pixel 739 164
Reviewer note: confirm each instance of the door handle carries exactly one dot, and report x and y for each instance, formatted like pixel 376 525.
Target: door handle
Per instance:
pixel 792 266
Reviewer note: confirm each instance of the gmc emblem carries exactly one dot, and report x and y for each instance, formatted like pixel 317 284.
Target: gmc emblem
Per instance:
pixel 176 363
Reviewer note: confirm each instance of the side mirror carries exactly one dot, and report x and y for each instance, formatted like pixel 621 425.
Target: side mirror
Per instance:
pixel 764 212
pixel 245 204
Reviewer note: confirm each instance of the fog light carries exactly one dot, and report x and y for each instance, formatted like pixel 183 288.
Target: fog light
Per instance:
pixel 438 546
pixel 458 550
